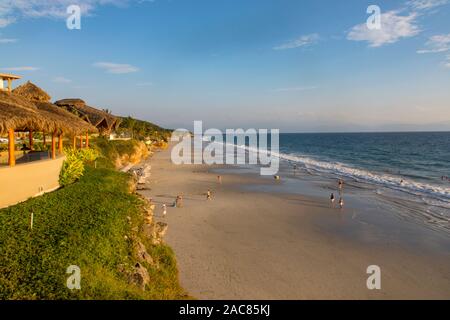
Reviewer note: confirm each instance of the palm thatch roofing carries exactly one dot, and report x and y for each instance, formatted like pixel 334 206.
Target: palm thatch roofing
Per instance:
pixel 32 92
pixel 27 108
pixel 20 114
pixel 66 121
pixel 104 121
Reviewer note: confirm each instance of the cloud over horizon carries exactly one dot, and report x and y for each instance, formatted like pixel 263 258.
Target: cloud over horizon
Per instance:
pixel 436 44
pixel 14 10
pixel 25 68
pixel 426 4
pixel 301 41
pixel 116 68
pixel 393 28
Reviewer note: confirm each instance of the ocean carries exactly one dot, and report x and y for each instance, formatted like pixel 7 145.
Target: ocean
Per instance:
pixel 408 170
pixel 411 166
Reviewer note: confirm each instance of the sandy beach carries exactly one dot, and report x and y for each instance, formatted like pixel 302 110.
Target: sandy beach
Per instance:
pixel 247 243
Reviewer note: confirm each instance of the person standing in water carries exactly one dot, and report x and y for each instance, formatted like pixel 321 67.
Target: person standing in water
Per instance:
pixel 332 198
pixel 341 203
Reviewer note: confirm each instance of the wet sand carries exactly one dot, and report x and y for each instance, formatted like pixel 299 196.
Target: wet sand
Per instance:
pixel 251 244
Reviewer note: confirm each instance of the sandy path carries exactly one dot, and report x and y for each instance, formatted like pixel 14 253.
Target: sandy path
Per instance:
pixel 250 245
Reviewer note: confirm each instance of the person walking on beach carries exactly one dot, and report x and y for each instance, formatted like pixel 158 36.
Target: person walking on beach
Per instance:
pixel 332 198
pixel 340 184
pixel 208 195
pixel 219 179
pixel 341 203
pixel 164 209
pixel 179 201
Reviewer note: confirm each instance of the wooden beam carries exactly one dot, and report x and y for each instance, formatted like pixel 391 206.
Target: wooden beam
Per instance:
pixel 60 144
pixel 30 138
pixel 11 148
pixel 53 145
pixel 87 140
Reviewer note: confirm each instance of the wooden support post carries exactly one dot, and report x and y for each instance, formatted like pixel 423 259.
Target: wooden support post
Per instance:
pixel 9 85
pixel 87 140
pixel 11 148
pixel 60 144
pixel 74 142
pixel 44 141
pixel 81 142
pixel 53 145
pixel 30 138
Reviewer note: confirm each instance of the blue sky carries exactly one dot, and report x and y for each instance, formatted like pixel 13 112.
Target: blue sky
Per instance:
pixel 293 65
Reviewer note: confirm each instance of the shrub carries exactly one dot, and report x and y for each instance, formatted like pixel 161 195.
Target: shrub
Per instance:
pixel 72 169
pixel 73 166
pixel 88 155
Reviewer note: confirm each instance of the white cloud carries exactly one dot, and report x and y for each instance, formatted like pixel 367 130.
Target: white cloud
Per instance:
pixel 426 4
pixel 447 63
pixel 302 41
pixel 296 89
pixel 6 40
pixel 116 68
pixel 61 80
pixel 12 10
pixel 393 28
pixel 437 43
pixel 27 68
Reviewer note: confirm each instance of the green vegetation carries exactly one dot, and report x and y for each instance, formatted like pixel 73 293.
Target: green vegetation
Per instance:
pixel 141 130
pixel 73 166
pixel 110 151
pixel 88 224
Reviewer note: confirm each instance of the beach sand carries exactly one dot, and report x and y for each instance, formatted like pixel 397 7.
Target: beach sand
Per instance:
pixel 258 245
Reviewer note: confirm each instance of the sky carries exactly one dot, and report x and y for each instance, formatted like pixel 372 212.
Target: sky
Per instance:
pixel 293 65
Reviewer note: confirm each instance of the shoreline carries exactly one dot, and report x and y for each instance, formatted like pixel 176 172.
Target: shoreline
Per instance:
pixel 252 244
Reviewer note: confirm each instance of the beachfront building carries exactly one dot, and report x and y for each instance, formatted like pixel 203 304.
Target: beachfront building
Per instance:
pixel 105 122
pixel 28 172
pixel 8 78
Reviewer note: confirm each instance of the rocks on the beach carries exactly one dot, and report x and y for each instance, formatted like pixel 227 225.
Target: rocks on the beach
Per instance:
pixel 140 276
pixel 147 230
pixel 155 232
pixel 149 219
pixel 159 231
pixel 141 173
pixel 142 253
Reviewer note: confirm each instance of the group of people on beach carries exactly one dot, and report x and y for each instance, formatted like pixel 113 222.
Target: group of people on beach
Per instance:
pixel 178 203
pixel 341 199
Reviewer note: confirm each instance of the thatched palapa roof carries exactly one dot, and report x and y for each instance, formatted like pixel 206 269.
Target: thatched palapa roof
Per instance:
pixel 28 108
pixel 100 119
pixel 32 92
pixel 64 119
pixel 20 114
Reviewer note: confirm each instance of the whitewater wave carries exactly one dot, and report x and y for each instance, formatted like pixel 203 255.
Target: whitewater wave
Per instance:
pixel 424 190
